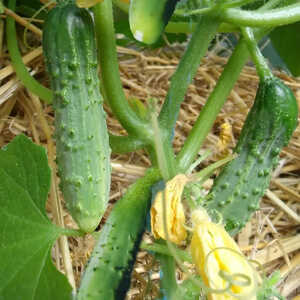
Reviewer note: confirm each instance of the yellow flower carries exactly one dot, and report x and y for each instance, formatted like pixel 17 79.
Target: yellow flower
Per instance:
pixel 225 137
pixel 215 252
pixel 175 218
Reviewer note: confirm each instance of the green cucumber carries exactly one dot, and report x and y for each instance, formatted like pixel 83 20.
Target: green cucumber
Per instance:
pixel 82 144
pixel 269 126
pixel 148 18
pixel 107 275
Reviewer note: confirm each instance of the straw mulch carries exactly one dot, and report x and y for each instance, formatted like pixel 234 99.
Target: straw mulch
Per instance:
pixel 272 235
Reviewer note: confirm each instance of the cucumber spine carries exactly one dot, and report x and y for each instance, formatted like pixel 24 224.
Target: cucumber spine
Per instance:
pixel 82 144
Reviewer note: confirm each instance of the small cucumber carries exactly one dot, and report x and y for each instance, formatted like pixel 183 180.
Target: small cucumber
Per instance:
pixel 148 18
pixel 107 275
pixel 82 145
pixel 269 126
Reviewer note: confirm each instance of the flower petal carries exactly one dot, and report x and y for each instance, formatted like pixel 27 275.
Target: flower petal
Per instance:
pixel 175 218
pixel 214 251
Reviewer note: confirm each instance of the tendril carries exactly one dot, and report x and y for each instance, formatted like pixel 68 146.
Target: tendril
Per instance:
pixel 235 279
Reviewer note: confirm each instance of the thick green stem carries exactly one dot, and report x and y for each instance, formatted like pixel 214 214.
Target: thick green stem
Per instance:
pixel 164 151
pixel 262 68
pixel 162 248
pixel 125 144
pixel 186 70
pixel 71 232
pixel 16 59
pixel 213 105
pixel 189 27
pixel 236 3
pixel 110 73
pixel 272 18
pixel 180 27
pixel 183 76
pixel 199 11
pixel 168 280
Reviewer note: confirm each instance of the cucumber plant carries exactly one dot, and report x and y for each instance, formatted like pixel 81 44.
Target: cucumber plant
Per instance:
pixel 72 39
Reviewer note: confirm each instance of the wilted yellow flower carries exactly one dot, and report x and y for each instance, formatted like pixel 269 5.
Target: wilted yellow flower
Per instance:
pixel 225 136
pixel 225 139
pixel 87 3
pixel 214 251
pixel 175 218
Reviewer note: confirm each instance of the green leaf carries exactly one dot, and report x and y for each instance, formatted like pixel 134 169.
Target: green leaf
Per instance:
pixel 286 41
pixel 26 233
pixel 268 288
pixel 33 173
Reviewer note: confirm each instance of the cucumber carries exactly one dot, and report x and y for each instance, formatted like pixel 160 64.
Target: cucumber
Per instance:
pixel 148 18
pixel 237 190
pixel 107 275
pixel 82 144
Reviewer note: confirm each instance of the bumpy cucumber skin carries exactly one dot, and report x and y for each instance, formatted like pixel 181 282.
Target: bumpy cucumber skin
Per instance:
pixel 269 126
pixel 147 19
pixel 82 145
pixel 107 275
